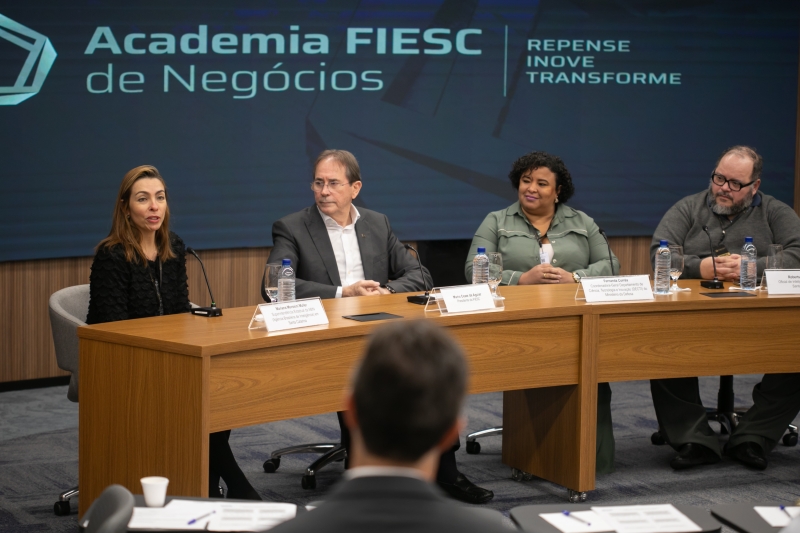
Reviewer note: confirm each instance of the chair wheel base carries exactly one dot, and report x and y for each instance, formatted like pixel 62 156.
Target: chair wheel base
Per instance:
pixel 61 508
pixel 308 482
pixel 576 496
pixel 658 439
pixel 790 439
pixel 473 447
pixel 271 465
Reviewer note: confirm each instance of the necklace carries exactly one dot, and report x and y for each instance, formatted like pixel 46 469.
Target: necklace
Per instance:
pixel 157 284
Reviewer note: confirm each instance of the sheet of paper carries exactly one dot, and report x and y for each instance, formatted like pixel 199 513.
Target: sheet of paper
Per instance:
pixel 251 516
pixel 576 522
pixel 173 515
pixel 646 519
pixel 777 517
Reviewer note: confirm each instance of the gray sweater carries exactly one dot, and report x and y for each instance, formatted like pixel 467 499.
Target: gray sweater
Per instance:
pixel 768 221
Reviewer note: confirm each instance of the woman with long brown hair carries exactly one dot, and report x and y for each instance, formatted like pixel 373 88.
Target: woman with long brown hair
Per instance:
pixel 139 271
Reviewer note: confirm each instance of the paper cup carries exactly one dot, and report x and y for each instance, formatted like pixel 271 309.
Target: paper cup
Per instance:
pixel 155 490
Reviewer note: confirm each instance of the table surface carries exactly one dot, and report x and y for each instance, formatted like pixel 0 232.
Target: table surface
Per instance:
pixel 175 378
pixel 203 337
pixel 527 517
pixel 744 518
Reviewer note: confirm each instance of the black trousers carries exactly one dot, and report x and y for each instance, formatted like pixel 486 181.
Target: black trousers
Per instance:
pixel 682 417
pixel 448 471
pixel 222 464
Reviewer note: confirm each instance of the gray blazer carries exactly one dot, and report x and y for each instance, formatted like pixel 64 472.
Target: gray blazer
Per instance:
pixel 393 504
pixel 303 238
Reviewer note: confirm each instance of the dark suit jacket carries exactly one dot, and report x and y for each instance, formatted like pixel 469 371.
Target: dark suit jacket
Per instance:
pixel 303 238
pixel 392 504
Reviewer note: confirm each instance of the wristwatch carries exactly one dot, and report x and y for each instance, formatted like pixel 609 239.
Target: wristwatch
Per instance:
pixel 576 277
pixel 388 288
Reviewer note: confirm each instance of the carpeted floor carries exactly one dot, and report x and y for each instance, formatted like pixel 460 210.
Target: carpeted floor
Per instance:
pixel 39 458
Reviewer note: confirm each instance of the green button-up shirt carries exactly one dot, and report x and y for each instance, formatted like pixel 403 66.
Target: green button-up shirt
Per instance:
pixel 577 243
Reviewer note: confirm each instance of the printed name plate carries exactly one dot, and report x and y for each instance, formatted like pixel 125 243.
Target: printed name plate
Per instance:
pixel 783 281
pixel 617 288
pixel 465 298
pixel 291 315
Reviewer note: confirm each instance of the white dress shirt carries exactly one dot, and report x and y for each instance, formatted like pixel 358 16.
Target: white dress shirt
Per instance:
pixel 344 241
pixel 391 471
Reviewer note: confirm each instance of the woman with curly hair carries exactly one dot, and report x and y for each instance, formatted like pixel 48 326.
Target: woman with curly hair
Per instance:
pixel 544 241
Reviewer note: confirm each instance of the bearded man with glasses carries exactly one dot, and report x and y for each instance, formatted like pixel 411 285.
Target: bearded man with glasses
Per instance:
pixel 732 208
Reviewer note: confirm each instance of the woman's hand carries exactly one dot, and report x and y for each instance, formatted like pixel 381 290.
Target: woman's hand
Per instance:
pixel 544 273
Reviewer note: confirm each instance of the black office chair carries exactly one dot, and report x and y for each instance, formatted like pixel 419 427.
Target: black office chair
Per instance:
pixel 727 415
pixel 330 453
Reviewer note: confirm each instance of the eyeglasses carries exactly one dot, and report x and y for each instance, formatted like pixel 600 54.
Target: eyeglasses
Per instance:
pixel 734 185
pixel 318 185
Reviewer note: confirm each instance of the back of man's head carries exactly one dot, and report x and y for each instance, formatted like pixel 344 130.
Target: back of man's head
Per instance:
pixel 408 390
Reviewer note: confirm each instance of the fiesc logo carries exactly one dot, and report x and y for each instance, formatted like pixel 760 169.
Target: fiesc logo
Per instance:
pixel 41 55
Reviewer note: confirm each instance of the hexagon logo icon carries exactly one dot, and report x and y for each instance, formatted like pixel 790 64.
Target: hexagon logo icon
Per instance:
pixel 41 55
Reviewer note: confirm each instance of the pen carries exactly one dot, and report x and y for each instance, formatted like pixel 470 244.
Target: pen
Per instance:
pixel 578 518
pixel 783 508
pixel 193 520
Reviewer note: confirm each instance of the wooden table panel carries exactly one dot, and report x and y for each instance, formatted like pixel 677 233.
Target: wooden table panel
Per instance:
pixel 141 414
pixel 278 383
pixel 521 354
pixel 697 343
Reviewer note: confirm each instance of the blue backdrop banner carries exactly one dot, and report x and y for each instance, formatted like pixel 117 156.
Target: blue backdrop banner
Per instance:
pixel 233 100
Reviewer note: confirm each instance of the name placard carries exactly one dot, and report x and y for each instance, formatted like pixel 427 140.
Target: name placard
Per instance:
pixel 291 315
pixel 466 298
pixel 783 281
pixel 617 289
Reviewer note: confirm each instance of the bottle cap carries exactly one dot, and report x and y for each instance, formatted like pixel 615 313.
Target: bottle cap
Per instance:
pixel 748 239
pixel 481 250
pixel 286 262
pixel 664 243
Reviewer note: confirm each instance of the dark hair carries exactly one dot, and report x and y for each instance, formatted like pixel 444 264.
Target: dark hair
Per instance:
pixel 124 232
pixel 344 158
pixel 409 389
pixel 750 153
pixel 534 160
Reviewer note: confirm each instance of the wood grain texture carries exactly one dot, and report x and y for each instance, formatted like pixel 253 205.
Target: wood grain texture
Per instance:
pixel 539 436
pixel 141 414
pixel 697 343
pixel 633 254
pixel 26 343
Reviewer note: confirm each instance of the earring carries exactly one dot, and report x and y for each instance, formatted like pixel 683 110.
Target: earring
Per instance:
pixel 556 201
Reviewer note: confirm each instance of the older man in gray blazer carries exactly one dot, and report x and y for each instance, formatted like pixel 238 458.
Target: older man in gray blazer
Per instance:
pixel 339 251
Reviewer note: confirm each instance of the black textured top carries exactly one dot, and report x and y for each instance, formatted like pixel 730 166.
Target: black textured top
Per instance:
pixel 120 289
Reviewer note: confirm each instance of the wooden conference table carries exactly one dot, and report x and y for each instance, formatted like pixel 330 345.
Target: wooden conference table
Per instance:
pixel 152 389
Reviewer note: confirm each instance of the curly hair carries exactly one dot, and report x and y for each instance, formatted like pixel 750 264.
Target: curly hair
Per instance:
pixel 534 160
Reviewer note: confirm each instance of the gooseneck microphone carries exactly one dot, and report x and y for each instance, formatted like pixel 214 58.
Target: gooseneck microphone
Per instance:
pixel 712 283
pixel 205 311
pixel 419 299
pixel 608 244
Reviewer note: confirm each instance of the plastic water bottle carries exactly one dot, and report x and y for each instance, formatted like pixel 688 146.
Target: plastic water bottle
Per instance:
pixel 480 267
pixel 286 282
pixel 663 263
pixel 748 266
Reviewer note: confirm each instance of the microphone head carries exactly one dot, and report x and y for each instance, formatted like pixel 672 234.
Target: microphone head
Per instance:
pixel 407 246
pixel 190 249
pixel 601 230
pixel 705 228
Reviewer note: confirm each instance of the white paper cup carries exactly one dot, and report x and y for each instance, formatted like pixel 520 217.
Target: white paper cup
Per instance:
pixel 155 490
